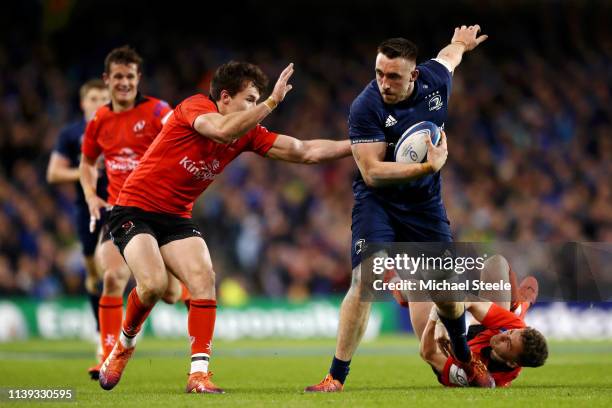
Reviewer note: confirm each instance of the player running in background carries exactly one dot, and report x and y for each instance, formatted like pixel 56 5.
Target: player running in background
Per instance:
pixel 399 202
pixel 121 131
pixel 152 223
pixel 64 168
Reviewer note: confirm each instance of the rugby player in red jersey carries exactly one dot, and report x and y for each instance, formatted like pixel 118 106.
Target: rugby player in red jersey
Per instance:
pixel 502 342
pixel 151 223
pixel 120 131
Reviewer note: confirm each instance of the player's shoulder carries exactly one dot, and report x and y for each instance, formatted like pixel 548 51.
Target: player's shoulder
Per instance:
pixel 368 101
pixel 156 106
pixel 102 114
pixel 75 128
pixel 200 102
pixel 434 71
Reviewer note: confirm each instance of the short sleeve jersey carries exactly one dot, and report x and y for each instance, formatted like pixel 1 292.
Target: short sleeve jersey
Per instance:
pixel 68 145
pixel 123 138
pixel 181 163
pixel 372 120
pixel 496 321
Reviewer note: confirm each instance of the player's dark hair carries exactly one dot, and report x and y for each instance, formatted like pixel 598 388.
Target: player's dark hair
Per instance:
pixel 89 85
pixel 398 47
pixel 123 55
pixel 234 76
pixel 535 349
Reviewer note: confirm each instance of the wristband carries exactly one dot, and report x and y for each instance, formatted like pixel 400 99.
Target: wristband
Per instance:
pixel 270 103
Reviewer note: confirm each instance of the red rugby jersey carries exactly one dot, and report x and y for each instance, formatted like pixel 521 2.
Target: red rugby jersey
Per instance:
pixel 496 321
pixel 181 163
pixel 123 138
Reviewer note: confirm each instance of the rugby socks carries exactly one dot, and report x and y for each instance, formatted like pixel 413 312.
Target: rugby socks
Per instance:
pixel 201 325
pixel 110 314
pixel 339 369
pixel 135 315
pixel 456 332
pixel 94 301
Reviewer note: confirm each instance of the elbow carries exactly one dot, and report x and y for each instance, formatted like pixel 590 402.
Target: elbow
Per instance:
pixel 427 354
pixel 370 180
pixel 222 137
pixel 51 179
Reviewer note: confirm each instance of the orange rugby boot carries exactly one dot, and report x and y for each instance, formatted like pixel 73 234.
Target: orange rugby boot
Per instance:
pixel 113 366
pixel 477 374
pixel 329 384
pixel 200 383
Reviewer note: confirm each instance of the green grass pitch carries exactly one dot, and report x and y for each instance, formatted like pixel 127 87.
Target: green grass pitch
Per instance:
pixel 272 373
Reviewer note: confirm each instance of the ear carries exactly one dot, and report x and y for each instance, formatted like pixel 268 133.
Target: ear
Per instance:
pixel 106 79
pixel 225 97
pixel 512 364
pixel 414 75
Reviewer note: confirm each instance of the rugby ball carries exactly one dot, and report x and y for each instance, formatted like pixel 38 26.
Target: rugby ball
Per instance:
pixel 411 146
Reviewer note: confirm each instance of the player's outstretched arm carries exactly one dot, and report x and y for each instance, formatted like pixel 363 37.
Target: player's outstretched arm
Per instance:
pixel 378 173
pixel 464 39
pixel 59 170
pixel 293 150
pixel 429 347
pixel 226 128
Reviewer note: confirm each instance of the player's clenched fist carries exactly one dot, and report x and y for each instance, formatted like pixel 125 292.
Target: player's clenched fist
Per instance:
pixel 468 36
pixel 282 88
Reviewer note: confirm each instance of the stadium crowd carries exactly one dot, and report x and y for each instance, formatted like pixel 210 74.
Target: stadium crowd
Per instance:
pixel 530 155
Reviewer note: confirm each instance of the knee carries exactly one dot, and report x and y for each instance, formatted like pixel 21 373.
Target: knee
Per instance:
pixel 450 309
pixel 172 294
pixel 115 279
pixel 201 281
pixel 151 291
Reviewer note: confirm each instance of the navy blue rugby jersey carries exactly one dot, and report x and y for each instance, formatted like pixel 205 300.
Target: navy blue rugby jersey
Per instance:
pixel 69 145
pixel 372 120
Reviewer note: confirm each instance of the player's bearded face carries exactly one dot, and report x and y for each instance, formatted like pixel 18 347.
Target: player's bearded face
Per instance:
pixel 122 80
pixel 508 345
pixel 395 78
pixel 241 101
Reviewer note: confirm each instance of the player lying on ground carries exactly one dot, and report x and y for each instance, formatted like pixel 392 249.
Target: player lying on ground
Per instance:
pixel 152 224
pixel 64 168
pixel 399 202
pixel 506 312
pixel 501 341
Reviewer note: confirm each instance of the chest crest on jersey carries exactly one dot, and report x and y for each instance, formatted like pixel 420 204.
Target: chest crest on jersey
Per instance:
pixel 139 127
pixel 434 101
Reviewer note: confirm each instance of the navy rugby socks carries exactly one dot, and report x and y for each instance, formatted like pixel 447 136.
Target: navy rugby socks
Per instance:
pixel 339 369
pixel 456 332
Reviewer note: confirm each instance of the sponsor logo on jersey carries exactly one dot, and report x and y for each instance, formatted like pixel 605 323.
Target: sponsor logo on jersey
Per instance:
pixel 124 161
pixel 201 170
pixel 390 121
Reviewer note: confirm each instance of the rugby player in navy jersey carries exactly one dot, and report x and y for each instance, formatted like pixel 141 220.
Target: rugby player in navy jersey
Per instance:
pixel 400 202
pixel 64 168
